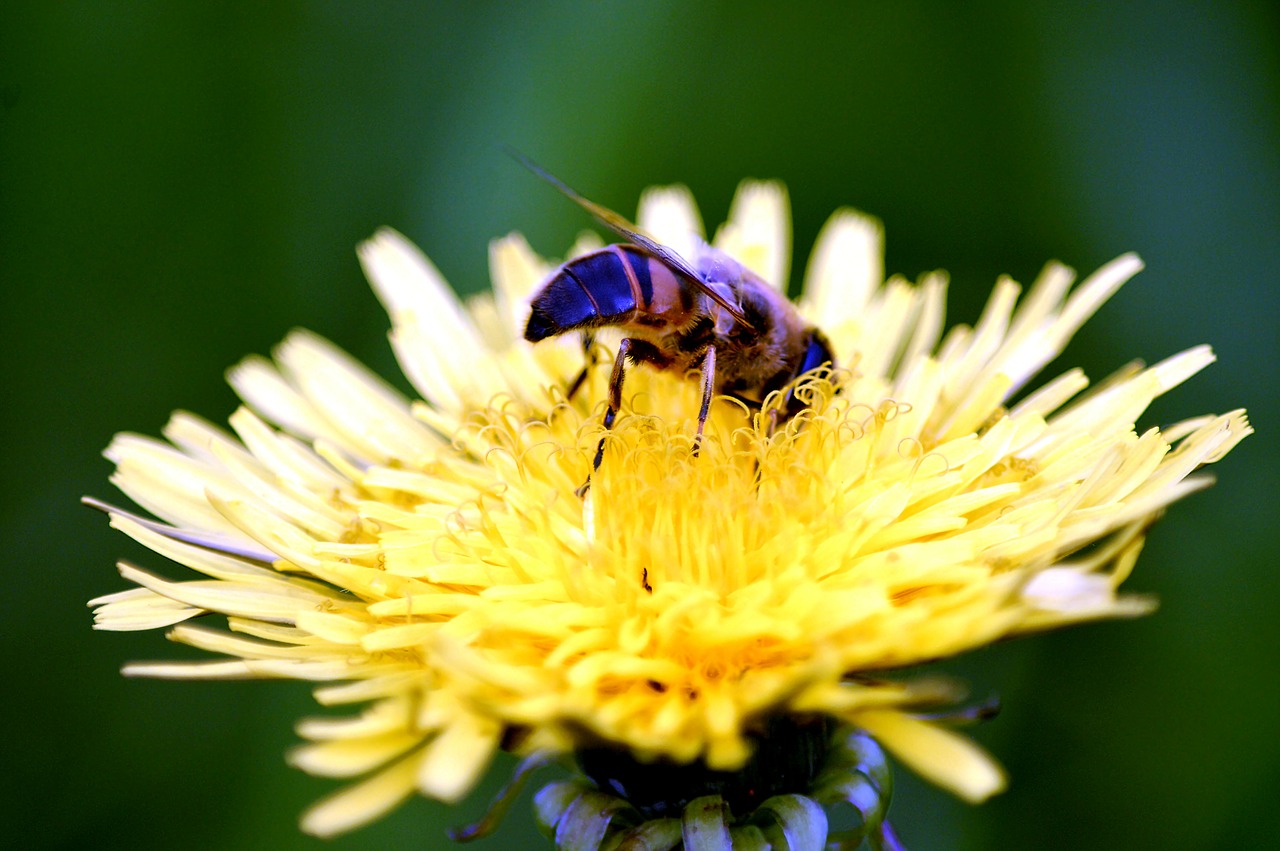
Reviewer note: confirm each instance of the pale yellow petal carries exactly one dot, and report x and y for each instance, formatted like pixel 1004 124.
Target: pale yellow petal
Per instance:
pixel 168 483
pixel 758 232
pixel 455 759
pixel 941 756
pixel 264 602
pixel 257 381
pixel 383 717
pixel 436 343
pixel 137 609
pixel 1042 329
pixel 845 268
pixel 352 757
pixel 363 414
pixel 669 215
pixel 363 802
pixel 210 562
pixel 289 459
pixel 516 271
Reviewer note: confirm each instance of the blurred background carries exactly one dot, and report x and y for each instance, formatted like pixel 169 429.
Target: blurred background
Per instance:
pixel 181 184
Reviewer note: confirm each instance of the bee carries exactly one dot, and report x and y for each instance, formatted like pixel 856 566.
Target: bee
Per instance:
pixel 707 313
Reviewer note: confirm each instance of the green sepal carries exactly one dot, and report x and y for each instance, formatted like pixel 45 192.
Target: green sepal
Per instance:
pixel 792 823
pixel 748 837
pixel 584 825
pixel 551 802
pixel 654 835
pixel 857 773
pixel 705 825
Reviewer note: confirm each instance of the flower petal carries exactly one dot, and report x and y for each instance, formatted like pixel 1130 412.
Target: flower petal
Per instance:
pixel 758 232
pixel 362 803
pixel 943 757
pixel 669 215
pixel 845 268
pixel 436 343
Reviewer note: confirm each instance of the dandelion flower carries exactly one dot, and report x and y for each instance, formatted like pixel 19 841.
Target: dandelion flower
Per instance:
pixel 429 564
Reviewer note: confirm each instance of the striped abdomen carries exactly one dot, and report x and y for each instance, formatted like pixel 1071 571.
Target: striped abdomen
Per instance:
pixel 616 285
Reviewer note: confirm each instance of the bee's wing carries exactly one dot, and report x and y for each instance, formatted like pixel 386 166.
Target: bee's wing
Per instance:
pixel 629 231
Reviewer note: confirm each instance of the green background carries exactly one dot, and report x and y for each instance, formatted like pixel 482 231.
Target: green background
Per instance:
pixel 180 184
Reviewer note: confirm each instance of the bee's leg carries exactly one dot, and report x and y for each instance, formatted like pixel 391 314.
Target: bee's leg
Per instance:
pixel 708 385
pixel 588 352
pixel 611 410
pixel 615 395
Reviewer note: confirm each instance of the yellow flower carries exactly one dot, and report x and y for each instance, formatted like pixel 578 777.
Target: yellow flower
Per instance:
pixel 430 562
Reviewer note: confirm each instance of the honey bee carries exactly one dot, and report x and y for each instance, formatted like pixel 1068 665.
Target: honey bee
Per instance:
pixel 707 313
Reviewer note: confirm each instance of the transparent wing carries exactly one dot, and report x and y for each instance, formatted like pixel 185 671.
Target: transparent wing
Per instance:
pixel 629 231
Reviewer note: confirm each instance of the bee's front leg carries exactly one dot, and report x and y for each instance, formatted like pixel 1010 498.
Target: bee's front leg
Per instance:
pixel 611 409
pixel 615 395
pixel 636 351
pixel 708 386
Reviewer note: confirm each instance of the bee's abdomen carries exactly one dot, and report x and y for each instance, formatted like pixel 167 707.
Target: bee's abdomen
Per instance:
pixel 605 287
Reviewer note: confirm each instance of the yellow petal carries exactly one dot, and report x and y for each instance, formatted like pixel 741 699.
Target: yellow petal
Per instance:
pixel 455 759
pixel 363 802
pixel 846 266
pixel 669 215
pixel 941 756
pixel 758 233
